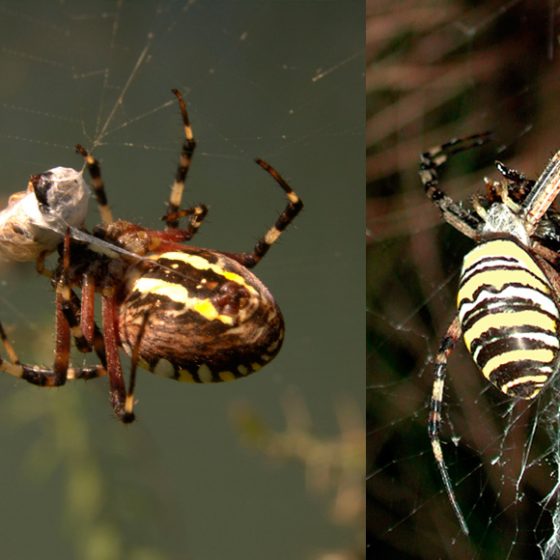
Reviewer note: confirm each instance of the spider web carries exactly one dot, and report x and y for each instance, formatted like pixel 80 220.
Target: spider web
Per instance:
pixel 276 80
pixel 435 72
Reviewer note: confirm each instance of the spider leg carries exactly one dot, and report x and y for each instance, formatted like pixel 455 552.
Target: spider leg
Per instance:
pixel 550 257
pixel 135 355
pixel 10 351
pixel 64 305
pixel 62 342
pixel 516 185
pixel 122 406
pixel 80 315
pixel 434 419
pixel 85 310
pixel 187 150
pixel 67 324
pixel 542 195
pixel 430 162
pixel 77 319
pixel 514 176
pixel 45 377
pixel 97 184
pixel 122 398
pixel 549 261
pixel 196 215
pixel 292 209
pixel 87 335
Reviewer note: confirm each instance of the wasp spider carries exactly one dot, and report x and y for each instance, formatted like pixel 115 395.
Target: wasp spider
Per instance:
pixel 508 299
pixel 187 313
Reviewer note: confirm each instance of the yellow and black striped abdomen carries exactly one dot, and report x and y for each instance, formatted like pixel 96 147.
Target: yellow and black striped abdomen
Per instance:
pixel 209 319
pixel 509 317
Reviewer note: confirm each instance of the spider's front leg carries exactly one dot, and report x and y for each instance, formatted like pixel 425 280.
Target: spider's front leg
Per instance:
pixel 97 184
pixel 468 223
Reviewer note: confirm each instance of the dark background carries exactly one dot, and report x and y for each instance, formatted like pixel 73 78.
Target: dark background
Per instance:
pixel 278 80
pixel 437 70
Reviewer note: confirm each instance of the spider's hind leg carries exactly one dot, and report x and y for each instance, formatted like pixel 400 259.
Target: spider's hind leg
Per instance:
pixel 434 419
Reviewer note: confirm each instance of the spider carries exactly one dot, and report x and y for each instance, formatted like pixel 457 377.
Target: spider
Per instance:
pixel 184 312
pixel 508 302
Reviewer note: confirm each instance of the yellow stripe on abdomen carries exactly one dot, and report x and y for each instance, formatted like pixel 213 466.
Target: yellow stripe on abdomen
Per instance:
pixel 497 279
pixel 543 355
pixel 534 318
pixel 503 248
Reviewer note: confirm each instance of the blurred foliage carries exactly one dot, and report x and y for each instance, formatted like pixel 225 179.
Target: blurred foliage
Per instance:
pixel 103 514
pixel 72 445
pixel 334 466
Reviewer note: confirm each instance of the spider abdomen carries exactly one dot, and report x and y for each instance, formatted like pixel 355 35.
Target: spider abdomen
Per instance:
pixel 208 318
pixel 509 317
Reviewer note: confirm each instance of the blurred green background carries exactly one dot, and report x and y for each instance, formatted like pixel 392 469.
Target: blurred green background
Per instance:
pixel 269 467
